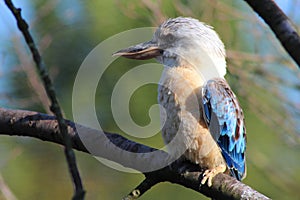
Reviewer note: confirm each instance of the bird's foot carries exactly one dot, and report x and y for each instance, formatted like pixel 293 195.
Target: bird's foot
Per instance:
pixel 209 174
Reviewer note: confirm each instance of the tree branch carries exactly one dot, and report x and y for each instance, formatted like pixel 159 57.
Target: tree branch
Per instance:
pixel 55 107
pixel 280 25
pixel 44 127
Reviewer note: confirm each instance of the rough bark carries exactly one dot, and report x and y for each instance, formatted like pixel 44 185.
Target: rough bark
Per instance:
pixel 45 127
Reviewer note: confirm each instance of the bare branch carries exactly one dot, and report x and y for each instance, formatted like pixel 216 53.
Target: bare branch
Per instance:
pixel 44 127
pixel 55 107
pixel 280 25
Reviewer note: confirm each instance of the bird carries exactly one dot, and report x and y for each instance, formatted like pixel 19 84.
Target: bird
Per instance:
pixel 202 120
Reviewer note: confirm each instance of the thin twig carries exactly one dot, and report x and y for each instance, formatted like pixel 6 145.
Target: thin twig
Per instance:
pixel 55 108
pixel 143 187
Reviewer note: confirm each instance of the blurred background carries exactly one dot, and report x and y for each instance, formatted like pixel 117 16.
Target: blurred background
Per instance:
pixel 261 73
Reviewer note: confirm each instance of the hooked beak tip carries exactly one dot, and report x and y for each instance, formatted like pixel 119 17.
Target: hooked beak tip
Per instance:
pixel 117 53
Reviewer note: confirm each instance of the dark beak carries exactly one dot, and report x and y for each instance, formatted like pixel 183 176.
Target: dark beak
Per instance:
pixel 142 51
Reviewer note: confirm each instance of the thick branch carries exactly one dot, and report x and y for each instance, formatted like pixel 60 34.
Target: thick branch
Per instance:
pixel 280 25
pixel 44 127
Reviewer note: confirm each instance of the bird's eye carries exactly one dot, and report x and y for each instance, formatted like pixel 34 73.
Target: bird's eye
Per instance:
pixel 170 37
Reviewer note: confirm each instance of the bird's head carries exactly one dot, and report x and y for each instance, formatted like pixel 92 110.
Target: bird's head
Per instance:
pixel 183 42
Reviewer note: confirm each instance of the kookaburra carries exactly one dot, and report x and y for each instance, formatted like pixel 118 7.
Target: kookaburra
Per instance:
pixel 202 120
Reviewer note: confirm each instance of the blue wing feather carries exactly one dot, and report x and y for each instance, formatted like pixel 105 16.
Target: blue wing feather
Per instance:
pixel 219 100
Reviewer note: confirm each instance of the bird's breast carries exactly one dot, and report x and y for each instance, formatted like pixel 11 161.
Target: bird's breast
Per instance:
pixel 183 127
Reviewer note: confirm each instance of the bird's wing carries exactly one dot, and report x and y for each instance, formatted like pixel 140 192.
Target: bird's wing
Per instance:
pixel 225 120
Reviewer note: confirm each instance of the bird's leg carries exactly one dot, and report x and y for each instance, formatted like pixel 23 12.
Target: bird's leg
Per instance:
pixel 209 174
